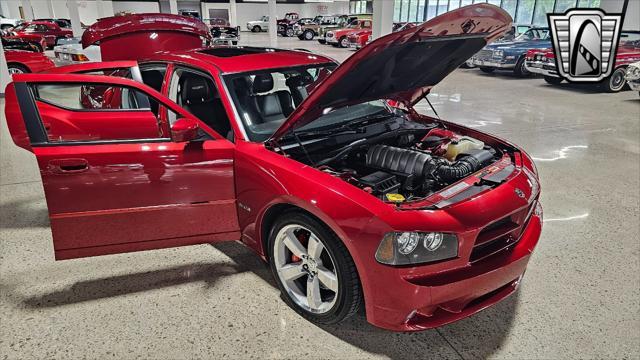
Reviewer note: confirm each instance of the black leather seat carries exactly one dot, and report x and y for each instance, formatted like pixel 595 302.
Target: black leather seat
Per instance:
pixel 199 96
pixel 273 106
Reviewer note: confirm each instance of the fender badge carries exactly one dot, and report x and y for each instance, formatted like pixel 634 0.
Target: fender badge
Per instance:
pixel 520 193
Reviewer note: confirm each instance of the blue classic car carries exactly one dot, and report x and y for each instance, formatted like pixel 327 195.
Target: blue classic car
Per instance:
pixel 509 55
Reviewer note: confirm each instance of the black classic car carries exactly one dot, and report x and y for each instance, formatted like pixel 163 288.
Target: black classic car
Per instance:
pixel 222 32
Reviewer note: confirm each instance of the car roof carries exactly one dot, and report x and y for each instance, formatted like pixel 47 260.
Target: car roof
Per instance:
pixel 234 59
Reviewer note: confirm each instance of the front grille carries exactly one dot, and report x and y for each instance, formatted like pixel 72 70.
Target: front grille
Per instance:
pixel 484 55
pixel 501 234
pixel 353 40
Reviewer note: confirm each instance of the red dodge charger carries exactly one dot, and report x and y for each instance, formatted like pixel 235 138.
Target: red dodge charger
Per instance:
pixel 324 170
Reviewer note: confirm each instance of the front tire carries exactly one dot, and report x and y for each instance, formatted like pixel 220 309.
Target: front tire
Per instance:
pixel 553 80
pixel 309 35
pixel 313 269
pixel 615 82
pixel 344 42
pixel 17 69
pixel 256 29
pixel 289 32
pixel 520 69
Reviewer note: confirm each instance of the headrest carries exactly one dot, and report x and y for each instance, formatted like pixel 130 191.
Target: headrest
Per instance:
pixel 153 78
pixel 301 80
pixel 195 90
pixel 262 83
pixel 242 85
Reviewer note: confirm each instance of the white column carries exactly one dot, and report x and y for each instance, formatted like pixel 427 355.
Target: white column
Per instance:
pixel 173 6
pixel 14 9
pixel 5 78
pixel 28 10
pixel 100 9
pixel 273 28
pixel 233 13
pixel 382 18
pixel 74 16
pixel 52 12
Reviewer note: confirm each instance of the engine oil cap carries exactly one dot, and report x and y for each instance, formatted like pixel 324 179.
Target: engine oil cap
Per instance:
pixel 395 198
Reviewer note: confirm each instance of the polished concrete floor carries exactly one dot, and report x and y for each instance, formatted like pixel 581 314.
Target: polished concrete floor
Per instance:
pixel 579 298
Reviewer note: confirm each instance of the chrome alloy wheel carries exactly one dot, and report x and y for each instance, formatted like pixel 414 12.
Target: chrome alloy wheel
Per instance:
pixel 15 70
pixel 306 269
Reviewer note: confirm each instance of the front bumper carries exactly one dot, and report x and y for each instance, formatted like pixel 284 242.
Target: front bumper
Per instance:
pixel 541 68
pixel 331 40
pixel 634 84
pixel 493 64
pixel 421 302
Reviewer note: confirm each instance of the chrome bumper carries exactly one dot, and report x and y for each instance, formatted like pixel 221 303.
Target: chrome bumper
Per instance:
pixel 634 84
pixel 493 64
pixel 537 67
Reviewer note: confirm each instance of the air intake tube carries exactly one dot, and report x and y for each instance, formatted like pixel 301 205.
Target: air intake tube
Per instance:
pixel 425 166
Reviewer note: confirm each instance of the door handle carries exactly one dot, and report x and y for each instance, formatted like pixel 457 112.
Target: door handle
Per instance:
pixel 68 166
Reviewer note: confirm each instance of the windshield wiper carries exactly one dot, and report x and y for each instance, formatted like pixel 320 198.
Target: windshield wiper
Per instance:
pixel 350 127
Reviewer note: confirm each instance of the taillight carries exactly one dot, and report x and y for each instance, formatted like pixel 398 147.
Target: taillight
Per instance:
pixel 79 57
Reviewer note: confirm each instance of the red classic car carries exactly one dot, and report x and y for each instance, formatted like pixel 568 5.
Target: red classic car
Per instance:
pixel 21 61
pixel 543 62
pixel 38 42
pixel 361 38
pixel 352 202
pixel 48 30
pixel 340 37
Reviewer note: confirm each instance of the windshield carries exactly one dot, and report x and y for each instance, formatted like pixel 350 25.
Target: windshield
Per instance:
pixel 534 34
pixel 265 99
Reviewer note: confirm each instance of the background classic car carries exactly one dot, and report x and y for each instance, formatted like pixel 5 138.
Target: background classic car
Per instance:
pixel 543 62
pixel 49 30
pixel 22 62
pixel 340 37
pixel 310 30
pixel 510 55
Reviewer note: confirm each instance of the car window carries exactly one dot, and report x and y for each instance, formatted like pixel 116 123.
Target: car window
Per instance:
pixel 95 112
pixel 265 99
pixel 197 93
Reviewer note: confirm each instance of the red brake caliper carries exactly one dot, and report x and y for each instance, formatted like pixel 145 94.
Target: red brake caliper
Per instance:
pixel 304 239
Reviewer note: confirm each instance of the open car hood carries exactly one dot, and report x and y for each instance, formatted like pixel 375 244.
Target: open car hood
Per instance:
pixel 403 66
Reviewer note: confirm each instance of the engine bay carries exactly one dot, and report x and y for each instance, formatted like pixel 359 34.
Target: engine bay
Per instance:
pixel 397 160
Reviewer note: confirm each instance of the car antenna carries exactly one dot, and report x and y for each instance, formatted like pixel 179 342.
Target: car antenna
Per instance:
pixel 295 135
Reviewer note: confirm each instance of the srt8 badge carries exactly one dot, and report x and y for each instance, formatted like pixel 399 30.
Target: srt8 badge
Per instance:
pixel 585 42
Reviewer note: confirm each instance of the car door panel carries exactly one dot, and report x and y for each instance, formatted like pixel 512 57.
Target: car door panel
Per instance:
pixel 107 195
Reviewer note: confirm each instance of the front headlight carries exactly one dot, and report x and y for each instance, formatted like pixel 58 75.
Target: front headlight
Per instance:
pixel 633 73
pixel 410 248
pixel 498 53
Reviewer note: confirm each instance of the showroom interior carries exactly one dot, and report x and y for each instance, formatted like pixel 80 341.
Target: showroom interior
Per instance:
pixel 570 149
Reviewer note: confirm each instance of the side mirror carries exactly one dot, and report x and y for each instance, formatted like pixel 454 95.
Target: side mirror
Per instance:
pixel 184 130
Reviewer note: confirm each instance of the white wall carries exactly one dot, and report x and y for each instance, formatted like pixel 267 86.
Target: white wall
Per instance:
pixel 253 11
pixel 135 7
pixel 88 9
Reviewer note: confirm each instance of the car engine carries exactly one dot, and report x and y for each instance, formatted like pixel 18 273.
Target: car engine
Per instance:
pixel 408 167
